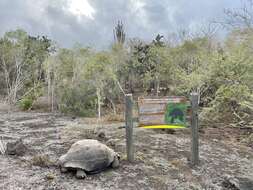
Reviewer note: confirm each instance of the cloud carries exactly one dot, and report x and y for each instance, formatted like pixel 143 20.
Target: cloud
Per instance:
pixel 91 22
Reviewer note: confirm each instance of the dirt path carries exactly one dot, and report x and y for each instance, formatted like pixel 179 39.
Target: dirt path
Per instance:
pixel 161 158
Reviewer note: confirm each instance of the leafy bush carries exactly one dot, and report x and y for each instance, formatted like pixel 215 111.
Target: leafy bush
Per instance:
pixel 232 104
pixel 25 103
pixel 78 101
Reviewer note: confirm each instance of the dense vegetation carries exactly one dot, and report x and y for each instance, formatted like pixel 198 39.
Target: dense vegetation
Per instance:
pixel 82 80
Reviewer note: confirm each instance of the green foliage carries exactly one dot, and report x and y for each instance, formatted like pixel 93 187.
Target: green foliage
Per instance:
pixel 99 69
pixel 21 58
pixel 78 101
pixel 25 103
pixel 229 97
pixel 29 97
pixel 81 79
pixel 65 72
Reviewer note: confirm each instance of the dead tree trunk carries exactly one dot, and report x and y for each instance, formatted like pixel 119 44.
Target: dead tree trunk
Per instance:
pixel 99 103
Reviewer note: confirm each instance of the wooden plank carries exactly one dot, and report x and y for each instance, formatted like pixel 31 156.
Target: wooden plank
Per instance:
pixel 151 119
pixel 163 100
pixel 129 127
pixel 151 108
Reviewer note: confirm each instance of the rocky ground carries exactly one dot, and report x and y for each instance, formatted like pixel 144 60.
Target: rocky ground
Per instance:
pixel 161 159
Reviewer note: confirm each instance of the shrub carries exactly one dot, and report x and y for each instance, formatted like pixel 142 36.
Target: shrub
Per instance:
pixel 25 103
pixel 78 101
pixel 230 104
pixel 41 160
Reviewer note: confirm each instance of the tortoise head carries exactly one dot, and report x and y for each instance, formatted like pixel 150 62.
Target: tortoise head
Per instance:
pixel 60 161
pixel 115 162
pixel 117 155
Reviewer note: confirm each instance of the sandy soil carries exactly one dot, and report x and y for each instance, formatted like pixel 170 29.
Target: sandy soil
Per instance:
pixel 161 159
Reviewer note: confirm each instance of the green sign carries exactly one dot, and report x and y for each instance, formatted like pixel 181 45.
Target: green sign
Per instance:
pixel 175 114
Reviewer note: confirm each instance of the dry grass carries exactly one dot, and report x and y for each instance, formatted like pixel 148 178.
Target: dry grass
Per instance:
pixel 176 163
pixel 76 132
pixel 114 117
pixel 41 104
pixel 50 176
pixel 41 160
pixel 141 157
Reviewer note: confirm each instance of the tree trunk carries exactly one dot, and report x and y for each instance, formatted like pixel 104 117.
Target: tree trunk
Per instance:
pixel 7 80
pixel 157 83
pixel 99 103
pixel 113 106
pixel 48 89
pixel 52 96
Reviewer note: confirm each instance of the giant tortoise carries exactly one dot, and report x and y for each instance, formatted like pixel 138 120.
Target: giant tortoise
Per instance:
pixel 88 156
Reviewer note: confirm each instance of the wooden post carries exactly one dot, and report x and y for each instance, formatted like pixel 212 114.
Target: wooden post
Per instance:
pixel 194 129
pixel 129 127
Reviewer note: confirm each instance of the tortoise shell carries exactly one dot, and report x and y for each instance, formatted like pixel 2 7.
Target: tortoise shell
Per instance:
pixel 89 155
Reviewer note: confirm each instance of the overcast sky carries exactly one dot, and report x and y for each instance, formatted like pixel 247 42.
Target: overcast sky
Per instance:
pixel 90 22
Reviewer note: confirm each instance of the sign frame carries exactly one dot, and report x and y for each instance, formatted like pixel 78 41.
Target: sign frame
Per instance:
pixel 194 101
pixel 156 112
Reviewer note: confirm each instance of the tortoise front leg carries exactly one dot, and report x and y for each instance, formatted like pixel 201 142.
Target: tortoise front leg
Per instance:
pixel 63 169
pixel 80 174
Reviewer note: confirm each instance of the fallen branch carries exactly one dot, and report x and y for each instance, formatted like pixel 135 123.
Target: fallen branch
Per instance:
pixel 2 146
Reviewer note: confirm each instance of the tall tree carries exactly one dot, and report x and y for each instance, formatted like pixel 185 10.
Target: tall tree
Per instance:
pixel 21 58
pixel 241 17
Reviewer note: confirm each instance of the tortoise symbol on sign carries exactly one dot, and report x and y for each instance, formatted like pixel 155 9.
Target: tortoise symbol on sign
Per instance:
pixel 176 114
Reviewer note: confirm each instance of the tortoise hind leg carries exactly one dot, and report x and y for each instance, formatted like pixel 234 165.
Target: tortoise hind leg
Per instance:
pixel 80 174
